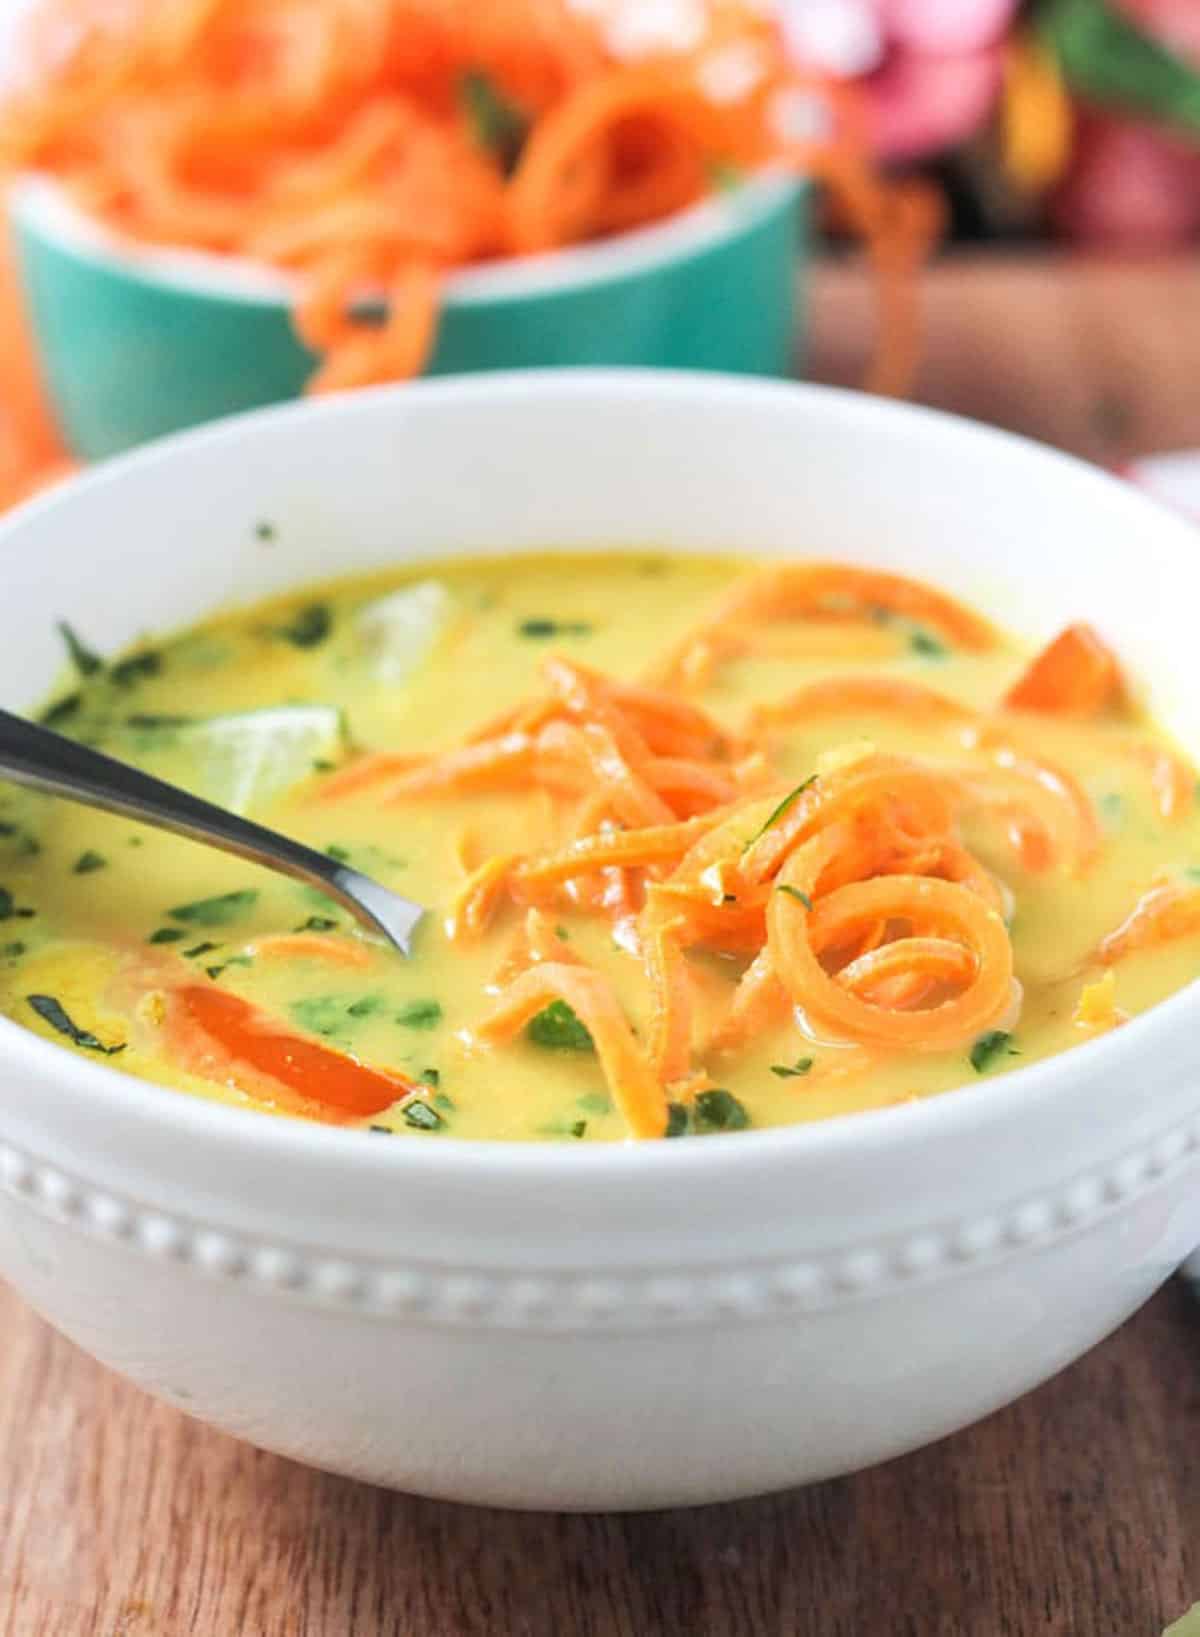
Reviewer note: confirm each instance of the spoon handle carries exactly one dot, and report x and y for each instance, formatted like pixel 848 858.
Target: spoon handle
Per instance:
pixel 44 760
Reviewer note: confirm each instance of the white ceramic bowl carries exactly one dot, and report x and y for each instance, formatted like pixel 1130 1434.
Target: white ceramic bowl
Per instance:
pixel 602 1327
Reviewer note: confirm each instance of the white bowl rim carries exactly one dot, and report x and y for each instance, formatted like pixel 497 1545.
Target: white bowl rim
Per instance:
pixel 1118 1054
pixel 43 206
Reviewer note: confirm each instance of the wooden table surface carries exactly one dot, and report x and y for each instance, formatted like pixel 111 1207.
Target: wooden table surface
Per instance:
pixel 1077 1511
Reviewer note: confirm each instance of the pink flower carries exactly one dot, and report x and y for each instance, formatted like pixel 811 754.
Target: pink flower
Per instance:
pixel 931 68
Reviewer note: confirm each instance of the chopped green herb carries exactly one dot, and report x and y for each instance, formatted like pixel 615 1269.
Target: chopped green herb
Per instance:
pixel 308 628
pixel 929 647
pixel 61 710
pixel 720 1111
pixel 128 671
pixel 579 1128
pixel 542 630
pixel 557 1027
pixel 84 660
pixel 340 855
pixel 677 1120
pixel 791 797
pixel 384 1130
pixel 24 914
pixel 794 892
pixel 200 949
pixel 1112 808
pixel 24 844
pixel 430 1077
pixel 214 972
pixel 216 911
pixel 445 1102
pixel 561 932
pixel 317 923
pixel 320 1014
pixel 322 766
pixel 420 1014
pixel 88 862
pixel 497 124
pixel 167 935
pixel 988 1047
pixel 11 951
pixel 51 1012
pixel 365 1006
pixel 420 1115
pixel 791 1071
pixel 7 908
pixel 595 1102
pixel 264 531
pixel 151 722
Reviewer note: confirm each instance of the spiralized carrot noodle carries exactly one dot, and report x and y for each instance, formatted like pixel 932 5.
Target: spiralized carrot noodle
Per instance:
pixel 1170 910
pixel 313 946
pixel 937 912
pixel 370 148
pixel 1053 821
pixel 636 1089
pixel 868 695
pixel 751 617
pixel 475 903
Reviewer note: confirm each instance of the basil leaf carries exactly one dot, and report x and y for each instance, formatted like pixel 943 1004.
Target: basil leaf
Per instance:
pixel 61 710
pixel 307 628
pixel 496 124
pixel 128 671
pixel 929 647
pixel 421 1116
pixel 720 1110
pixel 51 1012
pixel 420 1014
pixel 557 1028
pixel 541 630
pixel 215 911
pixel 988 1047
pixel 791 1071
pixel 82 657
pixel 677 1120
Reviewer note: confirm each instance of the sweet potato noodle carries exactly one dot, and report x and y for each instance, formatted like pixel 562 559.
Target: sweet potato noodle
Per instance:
pixel 369 146
pixel 853 898
pixel 786 843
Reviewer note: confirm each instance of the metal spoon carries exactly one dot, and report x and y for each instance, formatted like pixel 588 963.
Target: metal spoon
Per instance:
pixel 45 760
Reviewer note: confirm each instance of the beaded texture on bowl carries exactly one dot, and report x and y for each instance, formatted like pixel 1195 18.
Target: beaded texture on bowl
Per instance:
pixel 585 1301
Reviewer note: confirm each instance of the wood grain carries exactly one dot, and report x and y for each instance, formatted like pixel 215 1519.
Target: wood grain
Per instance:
pixel 1076 1513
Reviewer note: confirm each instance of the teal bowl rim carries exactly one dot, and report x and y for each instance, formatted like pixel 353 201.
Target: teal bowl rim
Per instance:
pixel 41 206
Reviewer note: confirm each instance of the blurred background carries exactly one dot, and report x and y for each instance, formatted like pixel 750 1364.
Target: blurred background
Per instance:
pixel 1038 131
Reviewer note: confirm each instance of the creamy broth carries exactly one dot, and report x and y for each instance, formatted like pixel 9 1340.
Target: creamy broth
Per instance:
pixel 105 923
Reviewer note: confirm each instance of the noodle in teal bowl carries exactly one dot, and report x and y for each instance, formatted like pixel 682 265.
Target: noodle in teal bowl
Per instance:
pixel 138 341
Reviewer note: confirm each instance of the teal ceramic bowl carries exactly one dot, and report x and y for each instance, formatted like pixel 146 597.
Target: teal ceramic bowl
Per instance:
pixel 139 342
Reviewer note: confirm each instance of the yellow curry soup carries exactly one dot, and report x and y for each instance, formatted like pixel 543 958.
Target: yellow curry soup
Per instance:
pixel 705 847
